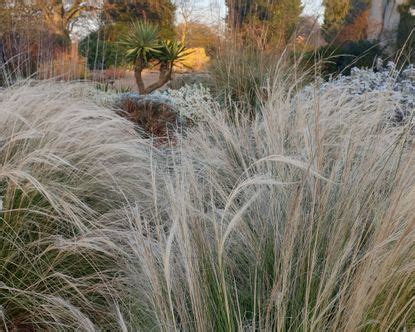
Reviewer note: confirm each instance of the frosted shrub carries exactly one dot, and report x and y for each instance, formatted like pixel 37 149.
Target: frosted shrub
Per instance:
pixel 190 101
pixel 368 90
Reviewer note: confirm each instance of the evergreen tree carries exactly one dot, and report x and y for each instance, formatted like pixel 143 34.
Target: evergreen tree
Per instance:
pixel 237 12
pixel 345 19
pixel 159 12
pixel 102 48
pixel 334 17
pixel 269 20
pixel 357 7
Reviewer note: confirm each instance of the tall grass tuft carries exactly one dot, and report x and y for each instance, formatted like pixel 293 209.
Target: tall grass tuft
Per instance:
pixel 67 167
pixel 239 73
pixel 242 74
pixel 301 219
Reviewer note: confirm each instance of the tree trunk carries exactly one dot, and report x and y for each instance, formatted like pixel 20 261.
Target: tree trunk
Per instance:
pixel 74 50
pixel 166 69
pixel 184 32
pixel 384 21
pixel 138 70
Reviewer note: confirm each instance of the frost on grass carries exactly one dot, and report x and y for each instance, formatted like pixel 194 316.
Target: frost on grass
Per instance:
pixel 68 168
pixel 389 89
pixel 190 101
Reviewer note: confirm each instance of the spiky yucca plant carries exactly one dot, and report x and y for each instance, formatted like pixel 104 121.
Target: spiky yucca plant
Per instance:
pixel 144 46
pixel 142 41
pixel 172 53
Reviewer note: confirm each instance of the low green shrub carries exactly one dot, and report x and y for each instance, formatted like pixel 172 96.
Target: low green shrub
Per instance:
pixel 102 50
pixel 406 32
pixel 334 60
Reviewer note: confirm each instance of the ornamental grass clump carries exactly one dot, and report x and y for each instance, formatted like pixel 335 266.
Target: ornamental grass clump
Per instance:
pixel 298 219
pixel 67 169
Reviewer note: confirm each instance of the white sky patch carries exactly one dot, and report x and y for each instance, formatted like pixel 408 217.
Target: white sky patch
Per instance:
pixel 1 203
pixel 314 8
pixel 208 11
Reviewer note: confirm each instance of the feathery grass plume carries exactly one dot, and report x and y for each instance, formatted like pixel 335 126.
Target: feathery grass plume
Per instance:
pixel 301 219
pixel 67 167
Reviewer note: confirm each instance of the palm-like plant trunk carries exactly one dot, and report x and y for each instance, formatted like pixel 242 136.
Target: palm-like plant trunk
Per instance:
pixel 166 70
pixel 138 71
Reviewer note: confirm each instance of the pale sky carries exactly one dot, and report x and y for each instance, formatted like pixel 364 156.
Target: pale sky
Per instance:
pixel 313 7
pixel 213 10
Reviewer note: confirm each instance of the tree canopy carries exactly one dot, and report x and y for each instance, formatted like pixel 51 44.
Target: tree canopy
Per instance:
pixel 270 20
pixel 159 12
pixel 345 19
pixel 32 32
pixel 102 48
